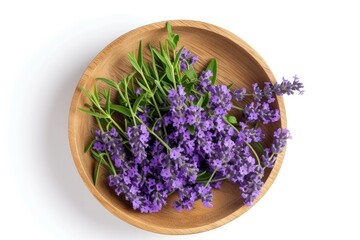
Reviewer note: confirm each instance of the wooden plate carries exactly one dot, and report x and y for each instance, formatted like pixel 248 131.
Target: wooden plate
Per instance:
pixel 237 63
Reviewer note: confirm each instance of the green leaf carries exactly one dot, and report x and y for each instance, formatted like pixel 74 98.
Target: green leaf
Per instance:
pixel 140 55
pixel 165 108
pixel 230 85
pixel 158 98
pixel 121 109
pixel 190 73
pixel 88 147
pixel 191 129
pixel 157 54
pixel 212 66
pixel 107 104
pixel 107 81
pixel 147 71
pixel 96 172
pixel 204 176
pixel 85 92
pixel 202 173
pixel 177 57
pixel 87 105
pixel 170 73
pixel 171 43
pixel 95 114
pixel 126 123
pixel 176 39
pixel 154 66
pixel 189 87
pixel 161 89
pixel 169 29
pixel 96 93
pixel 258 147
pixel 200 102
pixel 231 119
pixel 137 102
pixel 169 70
pixel 134 62
pixel 206 100
pixel 142 86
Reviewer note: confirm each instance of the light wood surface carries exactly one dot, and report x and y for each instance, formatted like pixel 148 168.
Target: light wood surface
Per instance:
pixel 237 63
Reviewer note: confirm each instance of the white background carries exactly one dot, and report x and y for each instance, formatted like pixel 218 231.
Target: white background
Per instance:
pixel 46 45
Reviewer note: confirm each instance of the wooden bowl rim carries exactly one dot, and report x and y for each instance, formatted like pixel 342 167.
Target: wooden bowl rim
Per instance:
pixel 76 153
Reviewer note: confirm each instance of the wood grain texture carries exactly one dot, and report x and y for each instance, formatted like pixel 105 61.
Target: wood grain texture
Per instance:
pixel 237 63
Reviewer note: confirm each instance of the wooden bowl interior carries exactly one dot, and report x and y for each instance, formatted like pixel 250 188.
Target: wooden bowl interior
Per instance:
pixel 237 63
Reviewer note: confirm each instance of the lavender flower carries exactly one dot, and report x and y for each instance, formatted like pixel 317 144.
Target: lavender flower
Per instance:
pixel 258 93
pixel 239 95
pixel 177 97
pixel 288 88
pixel 189 194
pixel 144 115
pixel 109 141
pixel 285 87
pixel 256 111
pixel 249 134
pixel 268 92
pixel 204 81
pixel 138 139
pixel 186 59
pixel 251 186
pixel 268 159
pixel 220 100
pixel 280 138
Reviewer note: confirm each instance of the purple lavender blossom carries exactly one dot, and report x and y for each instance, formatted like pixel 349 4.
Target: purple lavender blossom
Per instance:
pixel 268 92
pixel 268 159
pixel 285 87
pixel 189 194
pixel 249 135
pixel 144 115
pixel 258 93
pixel 204 81
pixel 177 97
pixel 138 137
pixel 288 88
pixel 256 111
pixel 280 138
pixel 186 59
pixel 138 91
pixel 109 141
pixel 251 186
pixel 239 95
pixel 220 100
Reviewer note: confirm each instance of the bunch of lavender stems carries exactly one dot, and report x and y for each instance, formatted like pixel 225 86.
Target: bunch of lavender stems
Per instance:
pixel 166 129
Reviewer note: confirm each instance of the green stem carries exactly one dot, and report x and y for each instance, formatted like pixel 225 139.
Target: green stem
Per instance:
pixel 215 180
pixel 154 134
pixel 154 101
pixel 128 102
pixel 99 124
pixel 152 97
pixel 211 177
pixel 254 152
pixel 236 107
pixel 117 126
pixel 110 163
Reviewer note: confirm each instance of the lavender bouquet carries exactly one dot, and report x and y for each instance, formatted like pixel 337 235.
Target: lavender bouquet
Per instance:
pixel 166 129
